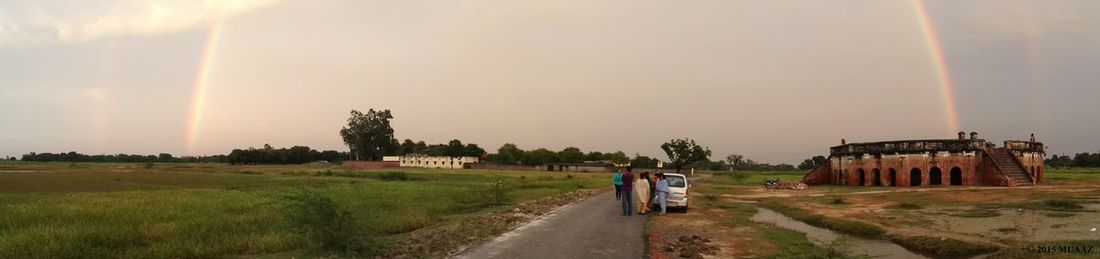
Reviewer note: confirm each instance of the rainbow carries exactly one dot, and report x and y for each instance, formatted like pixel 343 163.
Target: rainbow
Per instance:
pixel 202 82
pixel 932 41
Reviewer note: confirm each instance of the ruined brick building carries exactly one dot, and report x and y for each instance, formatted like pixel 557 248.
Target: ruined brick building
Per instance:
pixel 934 162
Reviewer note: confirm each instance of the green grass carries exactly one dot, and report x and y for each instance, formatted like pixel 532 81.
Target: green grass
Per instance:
pixel 209 210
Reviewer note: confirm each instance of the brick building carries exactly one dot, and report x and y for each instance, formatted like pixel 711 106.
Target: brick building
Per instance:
pixel 932 162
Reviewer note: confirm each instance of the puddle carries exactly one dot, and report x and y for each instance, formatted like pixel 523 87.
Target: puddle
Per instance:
pixel 821 236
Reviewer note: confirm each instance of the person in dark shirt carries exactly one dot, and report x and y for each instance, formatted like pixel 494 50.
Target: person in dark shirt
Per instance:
pixel 628 189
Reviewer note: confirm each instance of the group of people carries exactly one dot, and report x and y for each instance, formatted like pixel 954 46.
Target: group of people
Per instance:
pixel 648 191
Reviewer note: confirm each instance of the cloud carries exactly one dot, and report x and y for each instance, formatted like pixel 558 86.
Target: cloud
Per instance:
pixel 38 21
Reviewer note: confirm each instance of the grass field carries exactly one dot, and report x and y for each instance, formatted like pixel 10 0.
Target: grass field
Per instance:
pixel 63 210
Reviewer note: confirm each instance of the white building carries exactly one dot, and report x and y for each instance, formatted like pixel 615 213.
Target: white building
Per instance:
pixel 423 161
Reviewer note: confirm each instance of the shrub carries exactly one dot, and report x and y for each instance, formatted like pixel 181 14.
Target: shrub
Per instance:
pixel 497 194
pixel 710 196
pixel 1063 204
pixel 739 176
pixel 838 200
pixel 569 176
pixel 393 176
pixel 323 219
pixel 149 165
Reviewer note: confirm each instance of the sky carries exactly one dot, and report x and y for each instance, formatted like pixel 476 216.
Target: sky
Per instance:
pixel 776 81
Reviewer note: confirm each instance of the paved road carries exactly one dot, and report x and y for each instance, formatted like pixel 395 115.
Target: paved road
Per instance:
pixel 593 228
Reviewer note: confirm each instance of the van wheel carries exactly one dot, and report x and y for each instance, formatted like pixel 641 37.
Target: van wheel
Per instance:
pixel 684 210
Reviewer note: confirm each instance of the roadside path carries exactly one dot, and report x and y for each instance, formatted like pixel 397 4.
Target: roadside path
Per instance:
pixel 593 228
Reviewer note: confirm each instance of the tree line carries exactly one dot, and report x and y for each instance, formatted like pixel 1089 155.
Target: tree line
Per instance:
pixel 1078 160
pixel 292 155
pixel 510 154
pixel 73 156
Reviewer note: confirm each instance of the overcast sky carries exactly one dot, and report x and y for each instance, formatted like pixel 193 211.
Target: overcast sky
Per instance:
pixel 777 81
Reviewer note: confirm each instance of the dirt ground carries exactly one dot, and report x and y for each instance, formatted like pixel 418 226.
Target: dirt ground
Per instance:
pixel 991 215
pixel 692 235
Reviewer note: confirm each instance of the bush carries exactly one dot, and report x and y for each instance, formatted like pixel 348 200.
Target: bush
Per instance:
pixel 393 176
pixel 838 200
pixel 497 194
pixel 1064 204
pixel 739 176
pixel 323 219
pixel 569 176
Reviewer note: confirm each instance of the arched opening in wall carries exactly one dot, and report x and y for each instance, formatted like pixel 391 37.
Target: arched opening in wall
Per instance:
pixel 914 177
pixel 862 177
pixel 956 176
pixel 836 180
pixel 876 177
pixel 935 176
pixel 1032 171
pixel 892 177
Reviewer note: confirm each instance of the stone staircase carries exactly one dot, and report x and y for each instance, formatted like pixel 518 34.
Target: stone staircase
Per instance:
pixel 1007 164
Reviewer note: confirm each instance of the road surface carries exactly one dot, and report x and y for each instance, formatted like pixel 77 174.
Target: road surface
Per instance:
pixel 593 228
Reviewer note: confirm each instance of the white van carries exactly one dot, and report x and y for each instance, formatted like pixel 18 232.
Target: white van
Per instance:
pixel 678 186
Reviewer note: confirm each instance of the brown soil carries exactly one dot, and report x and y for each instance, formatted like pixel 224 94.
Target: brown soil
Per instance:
pixel 691 235
pixel 936 219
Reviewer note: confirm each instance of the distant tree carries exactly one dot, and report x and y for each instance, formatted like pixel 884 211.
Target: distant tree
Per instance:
pixel 641 161
pixel 735 161
pixel 438 150
pixel 593 156
pixel 811 163
pixel 571 155
pixel 164 157
pixel 509 154
pixel 455 148
pixel 369 135
pixel 11 158
pixel 683 152
pixel 618 157
pixel 408 147
pixel 473 150
pixel 540 156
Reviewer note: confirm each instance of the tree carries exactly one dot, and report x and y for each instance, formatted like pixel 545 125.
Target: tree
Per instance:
pixel 641 161
pixel 369 135
pixel 618 157
pixel 571 155
pixel 812 163
pixel 593 156
pixel 509 154
pixel 474 150
pixel 455 148
pixel 540 156
pixel 683 152
pixel 735 161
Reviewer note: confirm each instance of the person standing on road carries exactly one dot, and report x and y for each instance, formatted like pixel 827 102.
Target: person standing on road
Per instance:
pixel 618 179
pixel 628 188
pixel 641 192
pixel 662 192
pixel 652 191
